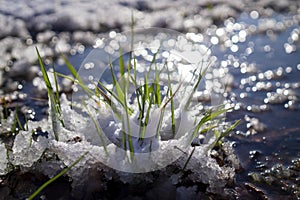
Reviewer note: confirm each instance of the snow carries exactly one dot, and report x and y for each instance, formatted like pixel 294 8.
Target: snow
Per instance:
pixel 26 151
pixel 174 152
pixel 3 160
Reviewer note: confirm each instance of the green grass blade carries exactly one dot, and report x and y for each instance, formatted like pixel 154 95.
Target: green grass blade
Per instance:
pixel 173 95
pixel 143 101
pixel 31 197
pixel 205 130
pixel 188 160
pixel 146 89
pixel 129 67
pixel 131 29
pixel 100 92
pixel 18 120
pixel 207 117
pixel 154 59
pixel 56 83
pixel 77 77
pixel 161 117
pixel 133 79
pixel 53 101
pixel 44 72
pixel 88 91
pixel 157 88
pixel 149 109
pixel 225 133
pixel 122 71
pixel 131 147
pixel 121 101
pixel 99 131
pixel 121 63
pixel 142 131
pixel 57 105
pixel 124 139
pixel 143 127
pixel 137 91
pixel 119 90
pixel 134 68
pixel 195 88
pixel 172 103
pixel 71 68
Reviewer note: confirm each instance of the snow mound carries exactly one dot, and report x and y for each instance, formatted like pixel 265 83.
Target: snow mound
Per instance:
pixel 29 152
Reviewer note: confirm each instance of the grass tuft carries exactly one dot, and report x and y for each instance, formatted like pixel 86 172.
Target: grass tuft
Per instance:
pixel 148 97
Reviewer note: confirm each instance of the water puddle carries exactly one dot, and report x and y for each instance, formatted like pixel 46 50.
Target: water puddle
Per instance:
pixel 266 90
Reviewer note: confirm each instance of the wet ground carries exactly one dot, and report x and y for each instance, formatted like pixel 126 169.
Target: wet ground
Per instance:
pixel 258 47
pixel 268 146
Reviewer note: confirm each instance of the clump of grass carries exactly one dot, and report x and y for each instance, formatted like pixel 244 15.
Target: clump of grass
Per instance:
pixel 148 97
